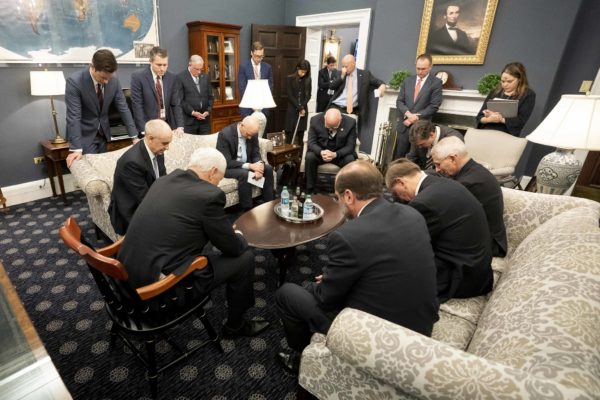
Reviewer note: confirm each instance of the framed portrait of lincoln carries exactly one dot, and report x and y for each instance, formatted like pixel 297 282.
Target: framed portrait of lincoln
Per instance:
pixel 456 31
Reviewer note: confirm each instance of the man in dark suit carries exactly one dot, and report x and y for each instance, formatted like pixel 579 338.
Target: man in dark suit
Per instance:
pixel 254 68
pixel 239 144
pixel 331 139
pixel 180 214
pixel 196 97
pixel 352 95
pixel 380 262
pixel 136 171
pixel 88 96
pixel 423 135
pixel 449 39
pixel 457 225
pixel 326 76
pixel 451 158
pixel 420 97
pixel 153 93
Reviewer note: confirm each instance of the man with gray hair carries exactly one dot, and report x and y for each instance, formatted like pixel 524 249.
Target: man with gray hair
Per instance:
pixel 180 214
pixel 451 158
pixel 196 97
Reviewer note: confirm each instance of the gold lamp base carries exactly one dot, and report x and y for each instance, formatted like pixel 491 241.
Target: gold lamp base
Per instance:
pixel 58 140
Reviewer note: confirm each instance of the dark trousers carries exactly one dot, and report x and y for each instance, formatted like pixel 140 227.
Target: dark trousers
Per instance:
pixel 198 127
pixel 237 273
pixel 301 315
pixel 245 188
pixel 402 142
pixel 312 162
pixel 299 137
pixel 97 146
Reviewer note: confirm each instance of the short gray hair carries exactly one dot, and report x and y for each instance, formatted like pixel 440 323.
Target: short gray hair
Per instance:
pixel 206 158
pixel 196 59
pixel 450 146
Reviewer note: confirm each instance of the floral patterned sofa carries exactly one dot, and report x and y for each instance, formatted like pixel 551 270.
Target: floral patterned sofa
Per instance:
pixel 536 336
pixel 94 174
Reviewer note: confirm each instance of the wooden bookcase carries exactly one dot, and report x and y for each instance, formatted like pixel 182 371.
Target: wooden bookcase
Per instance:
pixel 219 45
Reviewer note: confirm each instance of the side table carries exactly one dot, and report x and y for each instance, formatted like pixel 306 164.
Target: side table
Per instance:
pixel 54 154
pixel 286 153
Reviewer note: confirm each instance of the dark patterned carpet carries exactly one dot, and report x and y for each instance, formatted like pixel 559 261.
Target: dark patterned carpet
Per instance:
pixel 66 308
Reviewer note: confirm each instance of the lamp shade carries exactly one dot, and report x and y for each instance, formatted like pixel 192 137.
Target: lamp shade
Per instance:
pixel 47 83
pixel 574 123
pixel 258 95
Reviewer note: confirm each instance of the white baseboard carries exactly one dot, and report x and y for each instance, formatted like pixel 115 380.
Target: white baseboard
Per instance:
pixel 35 190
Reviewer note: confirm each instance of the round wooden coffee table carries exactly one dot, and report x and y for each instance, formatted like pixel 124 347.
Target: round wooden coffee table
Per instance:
pixel 262 228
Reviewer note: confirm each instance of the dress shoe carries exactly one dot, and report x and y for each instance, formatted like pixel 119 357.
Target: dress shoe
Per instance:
pixel 248 328
pixel 290 361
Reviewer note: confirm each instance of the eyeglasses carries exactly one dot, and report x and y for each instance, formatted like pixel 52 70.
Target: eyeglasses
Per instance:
pixel 257 56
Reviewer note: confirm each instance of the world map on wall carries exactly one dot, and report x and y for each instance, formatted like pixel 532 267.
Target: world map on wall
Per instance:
pixel 72 30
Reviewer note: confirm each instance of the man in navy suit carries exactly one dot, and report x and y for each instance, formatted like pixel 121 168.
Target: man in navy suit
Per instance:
pixel 326 76
pixel 136 171
pixel 239 144
pixel 331 139
pixel 196 97
pixel 420 97
pixel 380 262
pixel 423 136
pixel 451 158
pixel 449 39
pixel 457 225
pixel 254 68
pixel 153 94
pixel 88 96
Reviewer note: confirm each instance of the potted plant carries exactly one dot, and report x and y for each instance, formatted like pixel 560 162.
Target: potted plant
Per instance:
pixel 488 83
pixel 397 78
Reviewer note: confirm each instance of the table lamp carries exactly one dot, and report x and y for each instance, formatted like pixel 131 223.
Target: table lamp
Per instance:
pixel 49 83
pixel 574 123
pixel 258 96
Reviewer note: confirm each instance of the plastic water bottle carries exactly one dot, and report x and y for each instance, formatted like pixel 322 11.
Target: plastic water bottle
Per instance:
pixel 294 208
pixel 308 207
pixel 285 201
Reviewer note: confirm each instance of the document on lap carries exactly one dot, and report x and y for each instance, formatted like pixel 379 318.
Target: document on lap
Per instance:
pixel 256 182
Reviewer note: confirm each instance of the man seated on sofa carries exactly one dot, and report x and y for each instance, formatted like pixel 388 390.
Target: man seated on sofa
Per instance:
pixel 380 262
pixel 179 215
pixel 457 225
pixel 331 139
pixel 136 171
pixel 239 144
pixel 451 159
pixel 423 135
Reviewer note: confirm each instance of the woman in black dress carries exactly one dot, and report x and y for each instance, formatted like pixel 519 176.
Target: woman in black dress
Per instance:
pixel 299 86
pixel 513 85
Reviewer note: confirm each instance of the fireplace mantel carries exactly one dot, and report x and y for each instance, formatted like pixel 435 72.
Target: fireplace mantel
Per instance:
pixel 457 102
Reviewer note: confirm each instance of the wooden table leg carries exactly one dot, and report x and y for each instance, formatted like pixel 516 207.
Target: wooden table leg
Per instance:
pixel 283 261
pixel 3 201
pixel 51 174
pixel 61 184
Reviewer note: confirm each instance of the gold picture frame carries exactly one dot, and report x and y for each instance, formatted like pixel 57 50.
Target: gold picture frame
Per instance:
pixel 332 46
pixel 277 138
pixel 473 28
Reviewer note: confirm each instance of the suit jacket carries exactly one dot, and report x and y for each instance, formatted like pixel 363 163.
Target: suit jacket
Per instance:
pixel 365 84
pixel 246 73
pixel 459 235
pixel 178 216
pixel 345 138
pixel 418 155
pixel 484 186
pixel 427 102
pixel 84 115
pixel 144 99
pixel 513 125
pixel 192 100
pixel 133 177
pixel 324 84
pixel 382 262
pixel 227 143
pixel 440 42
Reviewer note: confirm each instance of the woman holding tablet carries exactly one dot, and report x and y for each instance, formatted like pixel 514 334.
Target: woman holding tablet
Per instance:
pixel 513 86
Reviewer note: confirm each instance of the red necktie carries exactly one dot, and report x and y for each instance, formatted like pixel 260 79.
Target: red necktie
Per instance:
pixel 417 89
pixel 159 95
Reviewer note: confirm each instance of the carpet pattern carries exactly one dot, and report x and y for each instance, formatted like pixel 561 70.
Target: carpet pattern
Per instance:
pixel 67 310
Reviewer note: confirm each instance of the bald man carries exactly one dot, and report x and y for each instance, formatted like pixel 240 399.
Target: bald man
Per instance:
pixel 239 144
pixel 331 139
pixel 196 96
pixel 354 86
pixel 136 171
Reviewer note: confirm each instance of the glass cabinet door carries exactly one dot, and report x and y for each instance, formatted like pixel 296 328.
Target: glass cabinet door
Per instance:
pixel 212 65
pixel 229 67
